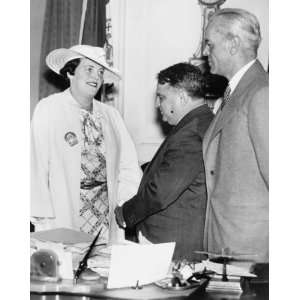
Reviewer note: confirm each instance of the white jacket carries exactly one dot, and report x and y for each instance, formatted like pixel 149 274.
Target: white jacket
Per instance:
pixel 55 165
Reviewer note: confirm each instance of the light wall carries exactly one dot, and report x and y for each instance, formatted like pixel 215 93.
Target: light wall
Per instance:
pixel 154 35
pixel 149 35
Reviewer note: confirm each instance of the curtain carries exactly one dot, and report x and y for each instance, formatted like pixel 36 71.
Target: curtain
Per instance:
pixel 95 21
pixel 94 30
pixel 61 30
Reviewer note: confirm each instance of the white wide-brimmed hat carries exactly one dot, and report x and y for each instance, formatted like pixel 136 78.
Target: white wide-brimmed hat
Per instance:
pixel 57 58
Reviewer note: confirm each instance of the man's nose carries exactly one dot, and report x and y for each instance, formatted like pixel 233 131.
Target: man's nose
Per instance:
pixel 206 50
pixel 157 103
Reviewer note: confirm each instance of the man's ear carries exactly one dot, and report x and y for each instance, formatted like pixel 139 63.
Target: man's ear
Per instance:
pixel 184 97
pixel 234 44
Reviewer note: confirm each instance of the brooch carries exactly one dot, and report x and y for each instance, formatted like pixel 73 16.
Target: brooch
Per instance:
pixel 71 138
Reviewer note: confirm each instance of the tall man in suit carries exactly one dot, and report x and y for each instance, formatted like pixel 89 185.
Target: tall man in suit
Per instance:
pixel 235 146
pixel 171 200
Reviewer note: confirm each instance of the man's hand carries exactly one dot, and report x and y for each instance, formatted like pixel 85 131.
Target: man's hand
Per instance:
pixel 119 217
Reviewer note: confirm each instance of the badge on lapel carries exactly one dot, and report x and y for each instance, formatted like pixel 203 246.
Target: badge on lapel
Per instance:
pixel 71 138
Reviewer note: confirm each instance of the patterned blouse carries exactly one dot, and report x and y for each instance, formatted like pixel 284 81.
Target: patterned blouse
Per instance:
pixel 93 186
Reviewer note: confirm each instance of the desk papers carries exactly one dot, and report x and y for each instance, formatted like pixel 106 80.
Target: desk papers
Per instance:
pixel 231 270
pixel 62 235
pixel 139 264
pixel 234 274
pixel 216 284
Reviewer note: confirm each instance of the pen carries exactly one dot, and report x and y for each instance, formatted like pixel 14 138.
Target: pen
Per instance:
pixel 83 263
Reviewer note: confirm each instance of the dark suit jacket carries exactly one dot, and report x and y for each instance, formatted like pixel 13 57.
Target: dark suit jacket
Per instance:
pixel 236 156
pixel 171 200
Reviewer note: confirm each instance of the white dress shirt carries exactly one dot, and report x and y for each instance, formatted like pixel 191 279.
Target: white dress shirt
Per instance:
pixel 238 75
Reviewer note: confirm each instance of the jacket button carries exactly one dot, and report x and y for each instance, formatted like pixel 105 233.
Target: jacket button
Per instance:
pixel 212 172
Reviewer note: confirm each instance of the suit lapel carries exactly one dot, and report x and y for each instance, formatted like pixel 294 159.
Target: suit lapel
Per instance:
pixel 208 134
pixel 225 115
pixel 229 110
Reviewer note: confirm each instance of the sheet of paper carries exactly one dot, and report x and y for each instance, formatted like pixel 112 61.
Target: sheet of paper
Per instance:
pixel 142 263
pixel 62 235
pixel 218 268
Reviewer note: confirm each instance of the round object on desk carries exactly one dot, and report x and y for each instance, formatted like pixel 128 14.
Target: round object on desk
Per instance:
pixel 44 265
pixel 89 275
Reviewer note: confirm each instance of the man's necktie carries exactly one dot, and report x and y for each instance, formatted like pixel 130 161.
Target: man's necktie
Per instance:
pixel 226 96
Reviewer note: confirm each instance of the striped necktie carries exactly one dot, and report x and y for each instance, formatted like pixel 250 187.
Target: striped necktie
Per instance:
pixel 226 96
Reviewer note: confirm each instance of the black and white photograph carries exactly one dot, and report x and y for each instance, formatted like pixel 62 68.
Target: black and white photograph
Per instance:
pixel 149 149
pixel 146 148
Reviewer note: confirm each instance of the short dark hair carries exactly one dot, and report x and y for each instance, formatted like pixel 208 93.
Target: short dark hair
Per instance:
pixel 70 67
pixel 185 76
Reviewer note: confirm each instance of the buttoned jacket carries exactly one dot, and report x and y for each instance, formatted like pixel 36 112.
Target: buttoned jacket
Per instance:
pixel 236 157
pixel 171 200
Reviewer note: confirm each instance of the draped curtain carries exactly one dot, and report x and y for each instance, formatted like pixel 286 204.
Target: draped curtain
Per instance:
pixel 95 21
pixel 62 29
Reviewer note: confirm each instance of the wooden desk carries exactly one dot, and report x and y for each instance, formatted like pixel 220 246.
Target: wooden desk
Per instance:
pixel 151 292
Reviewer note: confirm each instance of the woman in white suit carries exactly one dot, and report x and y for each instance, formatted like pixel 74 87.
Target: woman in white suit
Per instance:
pixel 83 160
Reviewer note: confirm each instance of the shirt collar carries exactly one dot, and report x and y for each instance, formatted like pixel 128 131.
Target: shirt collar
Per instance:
pixel 238 75
pixel 73 102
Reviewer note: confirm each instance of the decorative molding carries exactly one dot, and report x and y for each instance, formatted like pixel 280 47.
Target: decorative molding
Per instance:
pixel 117 14
pixel 107 45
